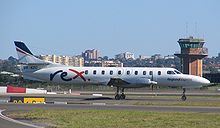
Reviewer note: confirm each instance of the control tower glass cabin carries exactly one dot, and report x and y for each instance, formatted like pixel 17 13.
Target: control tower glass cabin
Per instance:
pixel 192 53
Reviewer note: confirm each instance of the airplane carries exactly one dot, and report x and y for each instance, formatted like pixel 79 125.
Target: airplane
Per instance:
pixel 36 69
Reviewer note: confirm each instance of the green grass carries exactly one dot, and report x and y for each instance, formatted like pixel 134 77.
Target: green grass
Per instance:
pixel 121 119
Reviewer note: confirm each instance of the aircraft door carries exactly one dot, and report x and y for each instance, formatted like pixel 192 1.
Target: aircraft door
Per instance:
pixel 153 75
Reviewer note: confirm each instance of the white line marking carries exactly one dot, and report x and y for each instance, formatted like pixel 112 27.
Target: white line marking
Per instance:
pixel 96 94
pixel 16 121
pixel 101 104
pixel 59 102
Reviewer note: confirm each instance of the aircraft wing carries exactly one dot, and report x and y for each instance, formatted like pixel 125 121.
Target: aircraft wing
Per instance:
pixel 117 81
pixel 131 82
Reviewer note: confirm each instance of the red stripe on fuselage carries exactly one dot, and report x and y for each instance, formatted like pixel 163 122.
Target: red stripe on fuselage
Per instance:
pixel 21 51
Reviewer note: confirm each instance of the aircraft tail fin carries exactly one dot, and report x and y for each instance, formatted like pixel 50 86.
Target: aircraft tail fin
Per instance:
pixel 25 56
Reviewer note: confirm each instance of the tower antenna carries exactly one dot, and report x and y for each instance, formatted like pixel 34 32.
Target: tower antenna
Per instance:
pixel 187 29
pixel 196 32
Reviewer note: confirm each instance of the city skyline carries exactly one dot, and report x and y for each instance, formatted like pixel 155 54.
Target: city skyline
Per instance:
pixel 112 27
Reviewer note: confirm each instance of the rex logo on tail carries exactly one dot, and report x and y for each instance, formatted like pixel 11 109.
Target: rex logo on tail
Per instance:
pixel 119 77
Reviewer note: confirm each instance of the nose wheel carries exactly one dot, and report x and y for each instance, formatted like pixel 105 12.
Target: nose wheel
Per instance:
pixel 183 96
pixel 120 94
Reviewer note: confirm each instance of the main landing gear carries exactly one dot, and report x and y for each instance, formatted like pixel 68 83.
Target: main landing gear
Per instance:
pixel 183 96
pixel 120 94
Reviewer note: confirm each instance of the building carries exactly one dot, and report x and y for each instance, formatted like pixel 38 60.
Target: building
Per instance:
pixel 91 54
pixel 76 61
pixel 143 57
pixel 156 57
pixel 169 57
pixel 192 53
pixel 103 63
pixel 119 56
pixel 126 56
pixel 110 63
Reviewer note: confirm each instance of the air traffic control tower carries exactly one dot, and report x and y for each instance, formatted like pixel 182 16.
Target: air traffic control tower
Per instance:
pixel 192 53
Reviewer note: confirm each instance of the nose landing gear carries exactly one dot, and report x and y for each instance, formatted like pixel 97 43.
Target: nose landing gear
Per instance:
pixel 183 96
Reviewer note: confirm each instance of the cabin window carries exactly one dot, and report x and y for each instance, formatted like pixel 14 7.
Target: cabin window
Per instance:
pixel 144 72
pixel 128 72
pixel 94 72
pixel 151 73
pixel 111 72
pixel 119 72
pixel 86 72
pixel 136 72
pixel 159 73
pixel 103 72
pixel 170 72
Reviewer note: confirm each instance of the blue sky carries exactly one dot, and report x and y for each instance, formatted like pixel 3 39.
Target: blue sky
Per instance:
pixel 68 27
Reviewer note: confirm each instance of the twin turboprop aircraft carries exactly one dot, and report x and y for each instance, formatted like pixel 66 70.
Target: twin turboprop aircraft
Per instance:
pixel 120 77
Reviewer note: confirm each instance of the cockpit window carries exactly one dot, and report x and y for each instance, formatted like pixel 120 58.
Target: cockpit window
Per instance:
pixel 170 72
pixel 177 72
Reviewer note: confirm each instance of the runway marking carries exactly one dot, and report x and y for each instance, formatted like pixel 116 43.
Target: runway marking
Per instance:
pixel 59 102
pixel 16 121
pixel 96 94
pixel 99 104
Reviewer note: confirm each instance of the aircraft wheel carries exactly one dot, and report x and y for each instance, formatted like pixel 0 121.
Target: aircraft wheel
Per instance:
pixel 117 97
pixel 183 98
pixel 123 96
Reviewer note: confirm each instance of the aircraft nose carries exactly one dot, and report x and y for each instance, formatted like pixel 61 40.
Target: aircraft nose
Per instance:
pixel 203 81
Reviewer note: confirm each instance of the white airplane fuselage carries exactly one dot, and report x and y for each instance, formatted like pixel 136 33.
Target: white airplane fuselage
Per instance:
pixel 134 76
